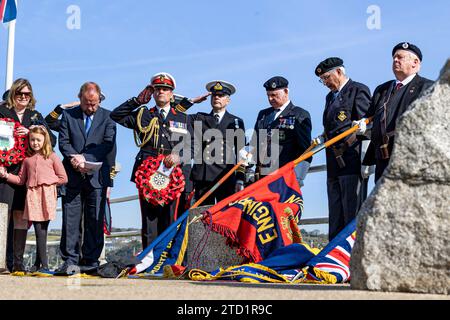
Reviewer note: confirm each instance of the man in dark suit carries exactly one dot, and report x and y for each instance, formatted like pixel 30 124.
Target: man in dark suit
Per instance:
pixel 170 127
pixel 347 101
pixel 390 100
pixel 283 126
pixel 86 134
pixel 218 137
pixel 53 121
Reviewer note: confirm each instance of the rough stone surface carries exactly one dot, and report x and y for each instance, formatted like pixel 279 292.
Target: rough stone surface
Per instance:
pixel 3 234
pixel 215 252
pixel 402 241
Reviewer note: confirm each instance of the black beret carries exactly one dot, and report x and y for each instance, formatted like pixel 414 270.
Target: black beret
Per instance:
pixel 328 64
pixel 5 95
pixel 275 83
pixel 409 47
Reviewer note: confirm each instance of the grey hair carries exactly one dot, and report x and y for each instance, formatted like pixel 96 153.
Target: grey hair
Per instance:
pixel 342 70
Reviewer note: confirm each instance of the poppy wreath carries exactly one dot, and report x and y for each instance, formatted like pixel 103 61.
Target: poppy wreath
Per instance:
pixel 144 178
pixel 17 153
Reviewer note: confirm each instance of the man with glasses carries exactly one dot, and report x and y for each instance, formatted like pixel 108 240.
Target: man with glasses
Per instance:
pixel 347 101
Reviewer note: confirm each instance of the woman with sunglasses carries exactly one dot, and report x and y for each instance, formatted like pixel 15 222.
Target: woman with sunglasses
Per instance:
pixel 20 106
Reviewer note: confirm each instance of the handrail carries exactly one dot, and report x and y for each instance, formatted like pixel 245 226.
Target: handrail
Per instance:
pixel 312 169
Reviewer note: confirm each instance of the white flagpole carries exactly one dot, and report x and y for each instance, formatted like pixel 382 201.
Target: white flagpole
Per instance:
pixel 10 53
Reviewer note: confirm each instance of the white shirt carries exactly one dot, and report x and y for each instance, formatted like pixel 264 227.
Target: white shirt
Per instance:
pixel 282 109
pixel 221 114
pixel 85 116
pixel 407 80
pixel 166 110
pixel 343 85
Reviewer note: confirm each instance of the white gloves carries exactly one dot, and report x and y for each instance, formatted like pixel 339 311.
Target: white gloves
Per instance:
pixel 366 171
pixel 362 126
pixel 245 154
pixel 239 185
pixel 319 140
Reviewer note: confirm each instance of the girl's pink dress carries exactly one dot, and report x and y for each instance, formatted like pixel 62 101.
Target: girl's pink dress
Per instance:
pixel 41 177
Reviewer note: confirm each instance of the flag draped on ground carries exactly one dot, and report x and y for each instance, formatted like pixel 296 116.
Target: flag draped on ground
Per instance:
pixel 261 218
pixel 296 261
pixel 332 264
pixel 167 249
pixel 279 267
pixel 8 10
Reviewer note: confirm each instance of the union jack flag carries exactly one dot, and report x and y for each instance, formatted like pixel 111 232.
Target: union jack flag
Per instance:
pixel 8 10
pixel 332 264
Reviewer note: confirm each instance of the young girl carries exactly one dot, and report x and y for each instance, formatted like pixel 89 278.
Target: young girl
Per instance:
pixel 42 171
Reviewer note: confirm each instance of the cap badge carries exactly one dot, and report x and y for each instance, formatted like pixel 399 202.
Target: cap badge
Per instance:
pixel 405 45
pixel 218 86
pixel 274 85
pixel 342 116
pixel 162 78
pixel 319 70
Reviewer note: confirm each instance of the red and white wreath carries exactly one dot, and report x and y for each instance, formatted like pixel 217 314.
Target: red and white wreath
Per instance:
pixel 158 187
pixel 16 154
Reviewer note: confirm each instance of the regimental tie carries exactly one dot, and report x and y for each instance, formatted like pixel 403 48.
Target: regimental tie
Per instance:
pixel 87 124
pixel 162 115
pixel 271 116
pixel 398 86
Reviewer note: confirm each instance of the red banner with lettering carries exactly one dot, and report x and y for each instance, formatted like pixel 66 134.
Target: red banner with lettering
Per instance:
pixel 261 218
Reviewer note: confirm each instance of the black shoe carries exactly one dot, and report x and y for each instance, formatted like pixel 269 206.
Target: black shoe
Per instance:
pixel 34 268
pixel 88 267
pixel 67 269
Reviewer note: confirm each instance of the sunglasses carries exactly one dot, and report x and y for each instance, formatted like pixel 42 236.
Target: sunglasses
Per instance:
pixel 26 94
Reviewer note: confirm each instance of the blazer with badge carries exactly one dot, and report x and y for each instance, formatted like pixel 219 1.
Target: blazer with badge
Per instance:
pixel 294 125
pixel 351 104
pixel 397 104
pixel 229 149
pixel 95 146
pixel 175 122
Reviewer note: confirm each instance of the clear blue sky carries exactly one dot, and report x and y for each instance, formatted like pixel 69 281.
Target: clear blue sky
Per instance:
pixel 121 44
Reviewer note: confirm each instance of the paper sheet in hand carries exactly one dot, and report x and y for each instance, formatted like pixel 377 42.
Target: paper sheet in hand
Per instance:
pixel 93 166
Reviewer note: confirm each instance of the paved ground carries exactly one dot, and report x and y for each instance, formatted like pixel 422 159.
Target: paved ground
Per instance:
pixel 90 289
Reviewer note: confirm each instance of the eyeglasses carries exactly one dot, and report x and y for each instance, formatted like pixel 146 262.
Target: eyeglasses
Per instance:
pixel 26 94
pixel 324 78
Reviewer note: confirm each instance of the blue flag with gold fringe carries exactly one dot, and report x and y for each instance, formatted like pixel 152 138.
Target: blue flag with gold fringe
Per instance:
pixel 166 250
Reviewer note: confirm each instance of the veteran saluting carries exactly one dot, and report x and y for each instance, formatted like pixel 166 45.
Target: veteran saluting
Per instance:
pixel 154 131
pixel 218 137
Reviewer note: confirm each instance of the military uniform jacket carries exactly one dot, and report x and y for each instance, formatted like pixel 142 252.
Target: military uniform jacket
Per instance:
pixel 397 102
pixel 294 125
pixel 175 125
pixel 207 149
pixel 351 103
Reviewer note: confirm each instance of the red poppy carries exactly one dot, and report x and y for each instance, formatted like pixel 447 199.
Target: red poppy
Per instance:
pixel 158 197
pixel 17 153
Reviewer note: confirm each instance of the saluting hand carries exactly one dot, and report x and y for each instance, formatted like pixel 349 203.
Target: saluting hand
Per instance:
pixel 70 105
pixel 201 98
pixel 145 95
